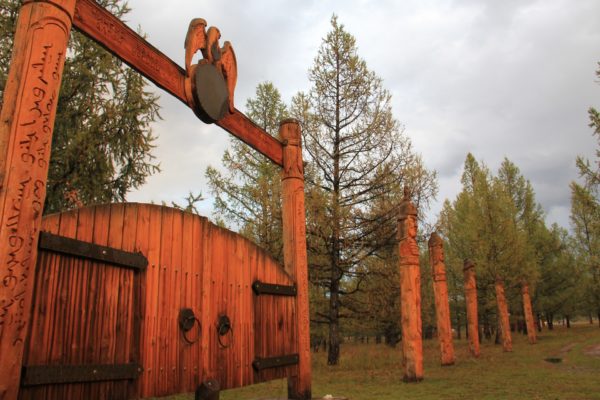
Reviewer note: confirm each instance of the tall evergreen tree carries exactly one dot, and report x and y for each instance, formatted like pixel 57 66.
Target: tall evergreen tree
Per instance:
pixel 102 141
pixel 356 151
pixel 585 217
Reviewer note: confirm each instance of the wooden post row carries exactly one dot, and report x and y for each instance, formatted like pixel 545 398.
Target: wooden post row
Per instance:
pixel 26 124
pixel 471 303
pixel 440 292
pixel 503 315
pixel 294 249
pixel 410 292
pixel 527 310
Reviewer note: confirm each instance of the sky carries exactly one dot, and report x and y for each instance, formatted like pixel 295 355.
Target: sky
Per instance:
pixel 511 78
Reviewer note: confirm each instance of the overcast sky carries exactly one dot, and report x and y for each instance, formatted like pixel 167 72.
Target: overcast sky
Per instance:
pixel 510 78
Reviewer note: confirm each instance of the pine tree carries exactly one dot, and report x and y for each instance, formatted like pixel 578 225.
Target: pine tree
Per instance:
pixel 102 142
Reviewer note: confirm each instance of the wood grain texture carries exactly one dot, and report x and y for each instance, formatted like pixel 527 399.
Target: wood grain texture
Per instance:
pixel 503 315
pixel 295 258
pixel 470 285
pixel 442 305
pixel 87 312
pixel 124 43
pixel 26 125
pixel 528 311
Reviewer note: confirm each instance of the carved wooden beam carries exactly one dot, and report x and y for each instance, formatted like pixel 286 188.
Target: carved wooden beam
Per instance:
pixel 110 32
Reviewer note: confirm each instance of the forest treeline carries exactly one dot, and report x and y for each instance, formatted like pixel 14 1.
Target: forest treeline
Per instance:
pixel 358 160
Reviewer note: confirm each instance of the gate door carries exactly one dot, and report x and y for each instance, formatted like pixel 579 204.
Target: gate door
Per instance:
pixel 84 336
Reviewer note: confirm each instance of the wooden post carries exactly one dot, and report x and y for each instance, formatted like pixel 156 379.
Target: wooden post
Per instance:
pixel 471 303
pixel 442 306
pixel 503 314
pixel 410 292
pixel 26 124
pixel 527 310
pixel 294 249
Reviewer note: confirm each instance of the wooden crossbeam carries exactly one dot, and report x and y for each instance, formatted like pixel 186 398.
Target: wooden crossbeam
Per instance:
pixel 110 32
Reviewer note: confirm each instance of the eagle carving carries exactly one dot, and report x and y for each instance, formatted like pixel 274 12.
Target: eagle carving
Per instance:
pixel 198 38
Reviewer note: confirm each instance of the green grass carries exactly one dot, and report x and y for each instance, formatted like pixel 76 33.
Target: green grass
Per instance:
pixel 374 372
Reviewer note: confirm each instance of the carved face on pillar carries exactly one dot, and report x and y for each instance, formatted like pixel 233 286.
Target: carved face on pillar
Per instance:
pixel 436 248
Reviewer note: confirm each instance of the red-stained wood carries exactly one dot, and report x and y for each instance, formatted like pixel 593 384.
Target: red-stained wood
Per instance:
pixel 106 29
pixel 528 311
pixel 26 123
pixel 123 42
pixel 410 292
pixel 87 312
pixel 294 250
pixel 442 306
pixel 470 285
pixel 503 315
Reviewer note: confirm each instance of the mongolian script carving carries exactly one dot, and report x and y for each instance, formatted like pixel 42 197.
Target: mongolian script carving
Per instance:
pixel 106 27
pixel 25 187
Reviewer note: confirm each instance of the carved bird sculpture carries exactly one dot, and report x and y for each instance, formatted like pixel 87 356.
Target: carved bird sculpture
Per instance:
pixel 195 40
pixel 212 52
pixel 229 69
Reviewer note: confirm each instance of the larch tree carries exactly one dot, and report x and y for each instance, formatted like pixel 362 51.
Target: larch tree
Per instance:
pixel 585 217
pixel 355 151
pixel 480 225
pixel 102 142
pixel 248 193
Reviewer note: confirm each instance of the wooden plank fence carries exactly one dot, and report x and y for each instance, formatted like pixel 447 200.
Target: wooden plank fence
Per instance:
pixel 100 330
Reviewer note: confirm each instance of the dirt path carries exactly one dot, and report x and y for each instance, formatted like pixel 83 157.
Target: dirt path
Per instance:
pixel 593 350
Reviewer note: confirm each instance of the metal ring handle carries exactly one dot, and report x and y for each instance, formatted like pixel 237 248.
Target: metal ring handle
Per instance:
pixel 219 336
pixel 184 332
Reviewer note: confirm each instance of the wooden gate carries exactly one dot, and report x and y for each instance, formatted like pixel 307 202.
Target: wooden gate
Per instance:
pixel 107 308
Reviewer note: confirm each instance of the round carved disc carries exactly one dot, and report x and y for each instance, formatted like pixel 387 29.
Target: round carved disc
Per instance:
pixel 210 92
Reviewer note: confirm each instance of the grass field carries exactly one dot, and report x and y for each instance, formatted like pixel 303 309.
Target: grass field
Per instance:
pixel 374 372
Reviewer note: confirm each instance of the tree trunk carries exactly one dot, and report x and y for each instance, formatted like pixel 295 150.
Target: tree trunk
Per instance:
pixel 549 321
pixel 458 327
pixel 591 319
pixel 568 319
pixel 539 322
pixel 333 353
pixel 378 339
pixel 599 319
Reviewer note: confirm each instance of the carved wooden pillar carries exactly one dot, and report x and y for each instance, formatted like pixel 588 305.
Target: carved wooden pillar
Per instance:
pixel 410 292
pixel 294 249
pixel 471 303
pixel 26 124
pixel 442 306
pixel 503 314
pixel 527 310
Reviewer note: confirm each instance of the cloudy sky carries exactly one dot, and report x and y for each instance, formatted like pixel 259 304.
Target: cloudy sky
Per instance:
pixel 511 78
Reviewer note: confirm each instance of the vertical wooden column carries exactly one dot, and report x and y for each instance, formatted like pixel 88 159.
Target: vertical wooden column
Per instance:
pixel 527 310
pixel 294 249
pixel 440 292
pixel 26 124
pixel 410 292
pixel 471 303
pixel 503 315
